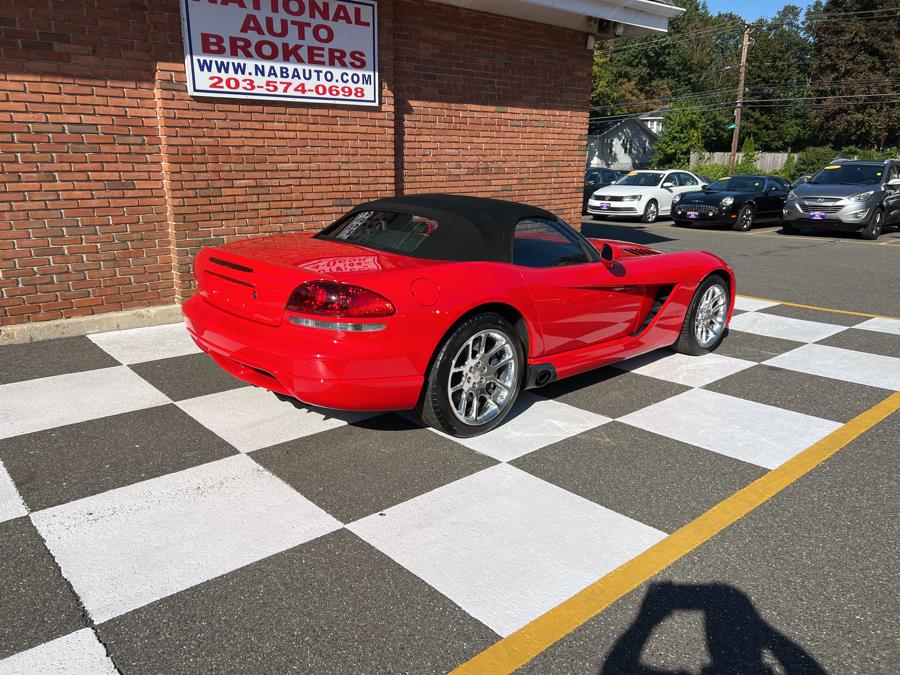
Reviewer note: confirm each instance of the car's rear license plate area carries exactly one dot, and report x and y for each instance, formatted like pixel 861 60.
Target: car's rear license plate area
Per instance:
pixel 229 292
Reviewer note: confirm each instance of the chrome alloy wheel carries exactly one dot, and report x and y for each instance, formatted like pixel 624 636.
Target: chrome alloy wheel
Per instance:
pixel 710 320
pixel 482 377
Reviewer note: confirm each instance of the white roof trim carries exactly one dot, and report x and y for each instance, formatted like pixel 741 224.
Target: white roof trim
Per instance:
pixel 642 15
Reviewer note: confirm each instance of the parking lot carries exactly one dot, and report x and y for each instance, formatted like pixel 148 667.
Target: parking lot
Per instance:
pixel 158 513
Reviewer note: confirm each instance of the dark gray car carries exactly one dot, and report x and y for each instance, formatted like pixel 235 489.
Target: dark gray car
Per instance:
pixel 847 195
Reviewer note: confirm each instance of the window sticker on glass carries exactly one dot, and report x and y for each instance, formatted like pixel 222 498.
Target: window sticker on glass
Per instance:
pixel 354 225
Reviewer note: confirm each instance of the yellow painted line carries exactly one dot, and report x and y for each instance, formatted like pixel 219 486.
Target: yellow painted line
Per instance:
pixel 821 309
pixel 519 648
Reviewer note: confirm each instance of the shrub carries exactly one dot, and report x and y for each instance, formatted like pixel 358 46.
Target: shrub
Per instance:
pixel 789 171
pixel 747 165
pixel 711 171
pixel 814 158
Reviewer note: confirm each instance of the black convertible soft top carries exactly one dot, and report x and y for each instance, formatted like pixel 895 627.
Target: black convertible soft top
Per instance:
pixel 469 228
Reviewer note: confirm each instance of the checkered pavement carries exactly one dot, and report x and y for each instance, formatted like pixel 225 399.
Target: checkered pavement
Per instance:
pixel 158 515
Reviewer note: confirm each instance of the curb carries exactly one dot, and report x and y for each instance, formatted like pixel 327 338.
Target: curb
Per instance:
pixel 39 331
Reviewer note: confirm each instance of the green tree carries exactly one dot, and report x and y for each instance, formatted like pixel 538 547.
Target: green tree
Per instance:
pixel 855 57
pixel 778 68
pixel 681 134
pixel 747 165
pixel 636 75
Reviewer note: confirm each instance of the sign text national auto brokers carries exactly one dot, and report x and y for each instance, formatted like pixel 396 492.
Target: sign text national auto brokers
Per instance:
pixel 319 51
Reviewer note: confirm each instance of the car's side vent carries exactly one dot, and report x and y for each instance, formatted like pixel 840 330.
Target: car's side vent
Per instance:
pixel 662 294
pixel 640 251
pixel 230 265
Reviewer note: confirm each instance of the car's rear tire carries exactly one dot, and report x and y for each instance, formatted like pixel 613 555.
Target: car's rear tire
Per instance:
pixel 873 230
pixel 704 324
pixel 475 377
pixel 744 221
pixel 651 212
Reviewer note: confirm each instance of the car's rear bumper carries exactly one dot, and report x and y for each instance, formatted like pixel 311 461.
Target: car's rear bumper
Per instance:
pixel 331 369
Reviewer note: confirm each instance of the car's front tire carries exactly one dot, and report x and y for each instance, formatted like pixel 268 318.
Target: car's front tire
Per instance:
pixel 873 230
pixel 705 322
pixel 744 220
pixel 475 377
pixel 651 212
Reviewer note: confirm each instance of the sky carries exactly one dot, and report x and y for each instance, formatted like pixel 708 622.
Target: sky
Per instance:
pixel 752 9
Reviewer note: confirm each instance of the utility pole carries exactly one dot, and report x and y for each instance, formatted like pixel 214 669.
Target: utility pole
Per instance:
pixel 740 100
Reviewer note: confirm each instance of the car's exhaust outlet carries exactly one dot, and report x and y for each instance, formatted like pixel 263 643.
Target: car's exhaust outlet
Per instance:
pixel 539 375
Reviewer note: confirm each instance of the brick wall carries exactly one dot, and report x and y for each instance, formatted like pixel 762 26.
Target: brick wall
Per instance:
pixel 113 176
pixel 495 108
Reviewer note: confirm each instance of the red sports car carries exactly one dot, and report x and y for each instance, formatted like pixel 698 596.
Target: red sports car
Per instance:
pixel 447 305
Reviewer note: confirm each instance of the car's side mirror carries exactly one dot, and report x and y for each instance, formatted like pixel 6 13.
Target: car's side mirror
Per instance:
pixel 668 184
pixel 609 254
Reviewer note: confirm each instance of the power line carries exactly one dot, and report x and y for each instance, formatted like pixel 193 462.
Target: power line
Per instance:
pixel 762 103
pixel 697 96
pixel 711 31
pixel 852 16
pixel 644 42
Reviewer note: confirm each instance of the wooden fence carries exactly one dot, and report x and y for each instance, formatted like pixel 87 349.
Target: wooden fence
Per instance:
pixel 766 162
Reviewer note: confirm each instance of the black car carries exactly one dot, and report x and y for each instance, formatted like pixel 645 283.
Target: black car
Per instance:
pixel 737 201
pixel 596 178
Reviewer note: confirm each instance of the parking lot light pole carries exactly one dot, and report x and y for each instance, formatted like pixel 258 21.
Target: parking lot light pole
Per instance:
pixel 740 100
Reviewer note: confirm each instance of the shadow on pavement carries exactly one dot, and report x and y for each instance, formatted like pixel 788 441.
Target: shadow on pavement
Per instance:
pixel 636 234
pixel 738 639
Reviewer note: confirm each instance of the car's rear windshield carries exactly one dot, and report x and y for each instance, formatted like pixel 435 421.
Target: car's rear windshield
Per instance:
pixel 382 230
pixel 849 174
pixel 640 179
pixel 738 184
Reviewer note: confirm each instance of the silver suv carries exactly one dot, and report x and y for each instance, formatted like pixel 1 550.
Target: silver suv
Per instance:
pixel 846 195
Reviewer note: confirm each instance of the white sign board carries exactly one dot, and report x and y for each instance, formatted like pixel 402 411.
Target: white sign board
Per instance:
pixel 318 51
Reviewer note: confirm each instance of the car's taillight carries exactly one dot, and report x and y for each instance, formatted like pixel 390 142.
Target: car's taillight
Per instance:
pixel 331 298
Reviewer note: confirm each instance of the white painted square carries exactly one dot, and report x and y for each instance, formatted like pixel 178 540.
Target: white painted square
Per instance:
pixel 692 371
pixel 11 504
pixel 848 365
pixel 136 345
pixel 49 402
pixel 133 545
pixel 881 325
pixel 533 423
pixel 752 432
pixel 746 304
pixel 78 653
pixel 251 418
pixel 504 545
pixel 787 328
